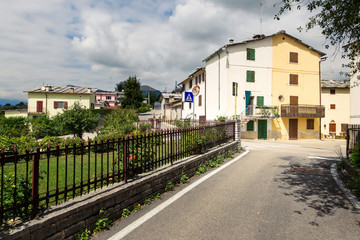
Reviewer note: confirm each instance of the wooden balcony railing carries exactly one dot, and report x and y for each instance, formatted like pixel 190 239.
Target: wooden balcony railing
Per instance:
pixel 306 111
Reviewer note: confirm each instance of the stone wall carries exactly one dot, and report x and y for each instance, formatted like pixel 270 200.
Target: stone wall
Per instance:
pixel 66 220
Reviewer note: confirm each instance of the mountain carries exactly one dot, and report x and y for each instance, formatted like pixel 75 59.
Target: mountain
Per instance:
pixel 145 89
pixel 13 102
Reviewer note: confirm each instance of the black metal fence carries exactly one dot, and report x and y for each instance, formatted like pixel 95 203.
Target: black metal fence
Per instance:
pixel 30 182
pixel 352 137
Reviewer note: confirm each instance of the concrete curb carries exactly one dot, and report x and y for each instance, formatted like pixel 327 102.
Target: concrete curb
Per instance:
pixel 347 193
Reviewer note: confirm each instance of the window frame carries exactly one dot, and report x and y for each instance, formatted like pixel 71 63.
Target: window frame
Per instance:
pixel 260 99
pixel 294 78
pixel 250 76
pixel 250 127
pixel 332 106
pixel 310 124
pixel 250 54
pixel 294 57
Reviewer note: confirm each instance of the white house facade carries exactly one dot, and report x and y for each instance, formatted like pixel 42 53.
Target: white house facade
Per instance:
pixel 195 110
pixel 335 96
pixel 355 97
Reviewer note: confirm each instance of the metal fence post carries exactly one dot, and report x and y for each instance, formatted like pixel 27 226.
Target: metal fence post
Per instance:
pixel 124 160
pixel 35 182
pixel 347 142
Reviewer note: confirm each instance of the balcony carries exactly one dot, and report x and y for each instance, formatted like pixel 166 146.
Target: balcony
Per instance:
pixel 304 111
pixel 36 111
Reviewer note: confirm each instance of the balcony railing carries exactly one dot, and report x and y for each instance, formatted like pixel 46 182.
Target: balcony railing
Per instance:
pixel 35 110
pixel 262 111
pixel 306 111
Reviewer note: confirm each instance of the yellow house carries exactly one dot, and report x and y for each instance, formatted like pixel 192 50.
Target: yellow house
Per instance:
pixel 51 100
pixel 296 88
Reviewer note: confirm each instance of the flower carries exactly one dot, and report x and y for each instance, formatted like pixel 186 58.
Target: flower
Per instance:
pixel 132 157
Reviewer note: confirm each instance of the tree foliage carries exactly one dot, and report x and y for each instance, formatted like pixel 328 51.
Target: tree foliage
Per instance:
pixel 120 121
pixel 13 127
pixel 132 94
pixel 44 126
pixel 120 86
pixel 339 21
pixel 77 120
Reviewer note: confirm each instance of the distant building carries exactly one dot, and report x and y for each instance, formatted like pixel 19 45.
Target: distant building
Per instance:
pixel 51 100
pixel 335 96
pixel 167 100
pixel 105 99
pixel 198 107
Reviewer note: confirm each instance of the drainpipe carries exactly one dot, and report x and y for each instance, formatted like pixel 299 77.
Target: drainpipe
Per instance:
pixel 322 59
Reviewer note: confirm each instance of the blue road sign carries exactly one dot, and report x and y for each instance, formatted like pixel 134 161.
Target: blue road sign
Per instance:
pixel 189 97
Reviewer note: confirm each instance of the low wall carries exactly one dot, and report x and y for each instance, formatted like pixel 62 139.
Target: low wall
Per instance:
pixel 66 220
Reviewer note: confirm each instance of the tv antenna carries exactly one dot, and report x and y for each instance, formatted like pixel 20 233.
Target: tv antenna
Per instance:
pixel 261 15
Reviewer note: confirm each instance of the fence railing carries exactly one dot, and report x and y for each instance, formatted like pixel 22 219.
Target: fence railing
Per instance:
pixel 31 181
pixel 166 124
pixel 352 137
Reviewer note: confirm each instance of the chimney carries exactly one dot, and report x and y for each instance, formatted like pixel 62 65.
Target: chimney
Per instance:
pixel 71 90
pixel 231 41
pixel 47 88
pixel 89 90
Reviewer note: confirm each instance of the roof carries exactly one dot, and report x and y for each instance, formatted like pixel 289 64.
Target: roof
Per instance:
pixel 99 91
pixel 335 83
pixel 193 74
pixel 261 37
pixel 66 89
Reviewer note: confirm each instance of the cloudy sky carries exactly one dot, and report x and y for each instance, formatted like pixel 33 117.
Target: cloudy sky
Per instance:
pixel 97 43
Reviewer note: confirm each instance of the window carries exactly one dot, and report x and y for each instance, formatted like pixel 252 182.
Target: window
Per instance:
pixel 250 76
pixel 200 100
pixel 190 84
pixel 182 106
pixel 332 106
pixel 39 106
pixel 189 105
pixel 260 101
pixel 310 124
pixel 196 80
pixel 294 100
pixel 293 57
pixel 237 89
pixel 294 79
pixel 250 126
pixel 108 97
pixel 60 104
pixel 250 54
pixel 332 91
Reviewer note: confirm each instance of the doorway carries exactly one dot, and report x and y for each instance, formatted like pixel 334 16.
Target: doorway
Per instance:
pixel 262 129
pixel 293 129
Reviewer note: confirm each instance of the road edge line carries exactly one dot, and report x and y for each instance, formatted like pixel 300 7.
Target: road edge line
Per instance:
pixel 353 200
pixel 125 231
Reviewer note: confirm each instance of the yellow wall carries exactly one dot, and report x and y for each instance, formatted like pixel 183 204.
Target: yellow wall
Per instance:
pixel 49 99
pixel 308 88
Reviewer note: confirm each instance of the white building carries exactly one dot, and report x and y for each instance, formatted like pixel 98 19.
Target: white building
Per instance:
pixel 197 109
pixel 335 96
pixel 355 96
pixel 237 63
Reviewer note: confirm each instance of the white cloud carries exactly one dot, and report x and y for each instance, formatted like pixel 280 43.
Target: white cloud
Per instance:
pixel 100 43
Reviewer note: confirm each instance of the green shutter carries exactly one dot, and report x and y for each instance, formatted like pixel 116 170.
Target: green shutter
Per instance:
pixel 250 76
pixel 260 101
pixel 250 54
pixel 250 126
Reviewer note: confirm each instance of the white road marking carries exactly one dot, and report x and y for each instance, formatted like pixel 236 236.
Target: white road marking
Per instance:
pixel 125 231
pixel 324 158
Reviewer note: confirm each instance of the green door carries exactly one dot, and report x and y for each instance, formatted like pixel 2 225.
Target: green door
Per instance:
pixel 262 129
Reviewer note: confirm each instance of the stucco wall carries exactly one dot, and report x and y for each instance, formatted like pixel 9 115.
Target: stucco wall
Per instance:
pixel 341 113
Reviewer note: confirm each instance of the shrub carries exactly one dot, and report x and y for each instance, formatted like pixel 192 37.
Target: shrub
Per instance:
pixel 355 156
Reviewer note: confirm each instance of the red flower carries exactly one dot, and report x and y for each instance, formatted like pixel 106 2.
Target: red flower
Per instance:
pixel 132 157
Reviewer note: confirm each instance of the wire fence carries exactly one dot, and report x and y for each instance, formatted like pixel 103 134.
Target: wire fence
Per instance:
pixel 30 182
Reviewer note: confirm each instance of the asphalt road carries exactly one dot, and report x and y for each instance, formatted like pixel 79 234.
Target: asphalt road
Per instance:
pixel 279 190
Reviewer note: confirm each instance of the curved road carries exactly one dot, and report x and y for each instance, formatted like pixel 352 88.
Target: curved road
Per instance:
pixel 279 190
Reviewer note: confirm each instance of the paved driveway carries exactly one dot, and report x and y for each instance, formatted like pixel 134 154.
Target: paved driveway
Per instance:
pixel 279 190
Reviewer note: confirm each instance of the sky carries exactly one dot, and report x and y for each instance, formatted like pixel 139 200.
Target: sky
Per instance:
pixel 98 43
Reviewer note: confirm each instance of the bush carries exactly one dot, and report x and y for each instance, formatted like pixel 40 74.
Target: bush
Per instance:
pixel 355 156
pixel 44 126
pixel 144 108
pixel 14 127
pixel 120 121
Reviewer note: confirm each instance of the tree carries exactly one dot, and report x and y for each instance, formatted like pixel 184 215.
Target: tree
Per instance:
pixel 77 120
pixel 339 21
pixel 132 94
pixel 154 97
pixel 120 121
pixel 119 87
